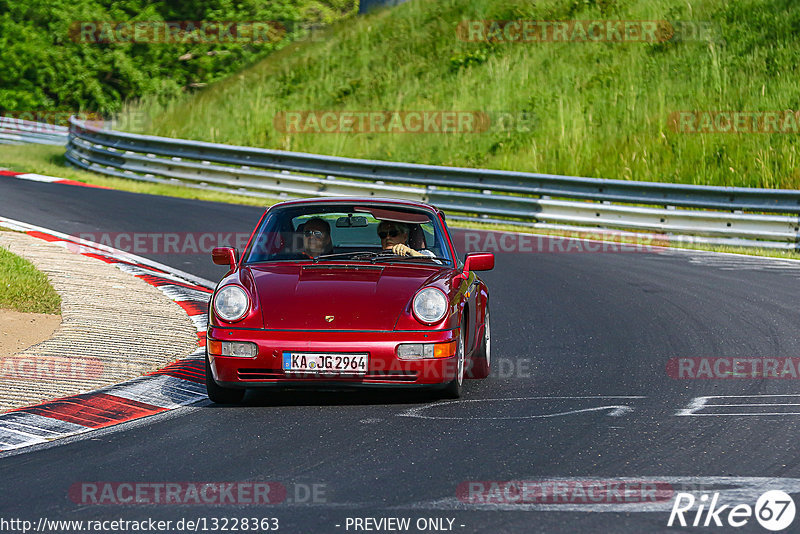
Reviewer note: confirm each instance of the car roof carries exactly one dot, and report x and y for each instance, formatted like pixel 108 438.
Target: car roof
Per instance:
pixel 357 200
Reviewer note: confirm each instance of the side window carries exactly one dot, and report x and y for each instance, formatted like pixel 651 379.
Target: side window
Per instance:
pixel 431 243
pixel 457 257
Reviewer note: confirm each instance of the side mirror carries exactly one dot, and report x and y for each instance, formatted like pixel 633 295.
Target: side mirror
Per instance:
pixel 224 256
pixel 478 261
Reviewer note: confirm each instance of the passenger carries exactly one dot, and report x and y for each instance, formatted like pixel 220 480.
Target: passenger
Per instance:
pixel 317 237
pixel 394 237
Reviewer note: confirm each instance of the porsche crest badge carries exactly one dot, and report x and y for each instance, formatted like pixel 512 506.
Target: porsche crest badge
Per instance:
pixel 329 318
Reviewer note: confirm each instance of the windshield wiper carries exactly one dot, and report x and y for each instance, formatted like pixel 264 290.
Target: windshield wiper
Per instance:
pixel 373 256
pixel 423 257
pixel 363 254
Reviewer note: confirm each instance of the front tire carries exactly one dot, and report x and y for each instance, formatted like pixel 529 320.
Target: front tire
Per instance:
pixel 219 394
pixel 482 360
pixel 455 386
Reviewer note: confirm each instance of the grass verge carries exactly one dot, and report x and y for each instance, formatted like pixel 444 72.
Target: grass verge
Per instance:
pixel 23 288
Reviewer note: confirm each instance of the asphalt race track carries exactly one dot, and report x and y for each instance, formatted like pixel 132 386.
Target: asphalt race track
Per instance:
pixel 579 392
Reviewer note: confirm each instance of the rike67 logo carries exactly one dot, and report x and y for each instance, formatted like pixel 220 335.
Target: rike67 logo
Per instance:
pixel 774 510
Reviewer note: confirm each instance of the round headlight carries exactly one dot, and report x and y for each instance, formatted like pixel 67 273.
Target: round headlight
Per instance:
pixel 230 303
pixel 430 305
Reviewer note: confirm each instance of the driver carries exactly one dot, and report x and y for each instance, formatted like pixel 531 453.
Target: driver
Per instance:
pixel 394 237
pixel 317 237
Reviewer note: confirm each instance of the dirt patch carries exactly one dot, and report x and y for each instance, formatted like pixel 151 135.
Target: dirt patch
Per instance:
pixel 18 330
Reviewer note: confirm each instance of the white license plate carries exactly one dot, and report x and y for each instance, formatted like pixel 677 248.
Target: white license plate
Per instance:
pixel 319 363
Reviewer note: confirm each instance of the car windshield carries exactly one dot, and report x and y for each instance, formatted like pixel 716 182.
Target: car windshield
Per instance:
pixel 338 232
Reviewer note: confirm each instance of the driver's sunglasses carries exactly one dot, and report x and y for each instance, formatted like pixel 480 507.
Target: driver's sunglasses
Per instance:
pixel 314 233
pixel 393 232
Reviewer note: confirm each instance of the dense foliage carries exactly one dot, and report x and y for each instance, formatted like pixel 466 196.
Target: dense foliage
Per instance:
pixel 45 65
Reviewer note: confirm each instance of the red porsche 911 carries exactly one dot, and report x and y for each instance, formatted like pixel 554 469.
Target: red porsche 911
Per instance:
pixel 348 292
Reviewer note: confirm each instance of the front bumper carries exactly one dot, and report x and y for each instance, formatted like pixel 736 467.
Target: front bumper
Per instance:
pixel 384 367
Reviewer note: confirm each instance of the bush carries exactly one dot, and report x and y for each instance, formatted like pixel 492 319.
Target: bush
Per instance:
pixel 43 66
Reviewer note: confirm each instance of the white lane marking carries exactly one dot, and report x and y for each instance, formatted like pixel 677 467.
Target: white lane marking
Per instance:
pixel 615 409
pixel 732 490
pixel 180 293
pixel 712 255
pixel 21 429
pixel 34 438
pixel 698 404
pixel 38 178
pixel 739 414
pixel 137 271
pixel 743 405
pixel 737 262
pixel 34 423
pixel 163 391
pixel 10 440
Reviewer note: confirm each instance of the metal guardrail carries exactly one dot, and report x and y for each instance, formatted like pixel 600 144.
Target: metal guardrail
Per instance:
pixel 18 131
pixel 717 213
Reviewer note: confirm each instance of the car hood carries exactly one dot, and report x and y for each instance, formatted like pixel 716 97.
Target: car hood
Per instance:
pixel 327 296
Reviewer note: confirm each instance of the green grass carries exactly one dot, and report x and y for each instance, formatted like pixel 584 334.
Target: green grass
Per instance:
pixel 23 288
pixel 601 109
